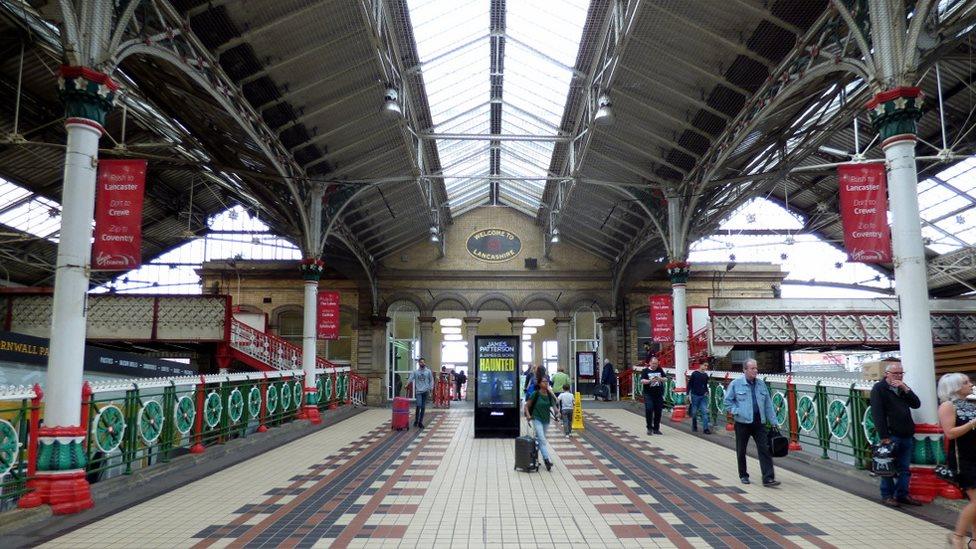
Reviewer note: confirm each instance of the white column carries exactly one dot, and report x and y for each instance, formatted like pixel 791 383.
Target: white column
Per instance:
pixel 911 279
pixel 62 389
pixel 680 334
pixel 427 341
pixel 309 351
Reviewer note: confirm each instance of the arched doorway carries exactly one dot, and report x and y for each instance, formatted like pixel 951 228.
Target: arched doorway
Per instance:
pixel 403 347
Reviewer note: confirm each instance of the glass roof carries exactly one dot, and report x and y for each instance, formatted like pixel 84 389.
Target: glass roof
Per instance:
pixel 28 213
pixel 539 43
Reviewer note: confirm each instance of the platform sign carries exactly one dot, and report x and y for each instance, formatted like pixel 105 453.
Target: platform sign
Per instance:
pixel 662 318
pixel 864 212
pixel 118 215
pixel 327 319
pixel 496 411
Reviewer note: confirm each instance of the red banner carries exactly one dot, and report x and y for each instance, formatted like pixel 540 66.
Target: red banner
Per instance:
pixel 864 211
pixel 118 215
pixel 327 324
pixel 662 318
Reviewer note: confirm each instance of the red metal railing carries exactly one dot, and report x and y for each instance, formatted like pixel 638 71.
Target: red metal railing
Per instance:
pixel 697 350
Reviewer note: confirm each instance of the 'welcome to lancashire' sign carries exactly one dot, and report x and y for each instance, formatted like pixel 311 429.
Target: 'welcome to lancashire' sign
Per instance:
pixel 494 245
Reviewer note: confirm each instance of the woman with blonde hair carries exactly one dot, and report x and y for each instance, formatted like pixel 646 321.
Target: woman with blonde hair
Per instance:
pixel 957 416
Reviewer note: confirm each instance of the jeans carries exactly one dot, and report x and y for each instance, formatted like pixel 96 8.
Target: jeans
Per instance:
pixel 699 404
pixel 653 407
pixel 756 430
pixel 421 407
pixel 898 487
pixel 567 422
pixel 540 438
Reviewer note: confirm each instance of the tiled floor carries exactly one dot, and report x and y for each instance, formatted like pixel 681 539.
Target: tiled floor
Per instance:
pixel 357 484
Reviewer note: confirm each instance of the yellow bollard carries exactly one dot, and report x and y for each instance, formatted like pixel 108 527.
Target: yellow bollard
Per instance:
pixel 578 413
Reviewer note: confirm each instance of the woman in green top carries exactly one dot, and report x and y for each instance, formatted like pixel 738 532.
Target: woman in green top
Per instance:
pixel 537 411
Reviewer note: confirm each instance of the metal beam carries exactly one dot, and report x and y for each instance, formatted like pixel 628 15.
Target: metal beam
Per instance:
pixel 494 137
pixel 715 77
pixel 258 30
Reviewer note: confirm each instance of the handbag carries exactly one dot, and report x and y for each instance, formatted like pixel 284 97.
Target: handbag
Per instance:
pixel 882 460
pixel 779 445
pixel 945 473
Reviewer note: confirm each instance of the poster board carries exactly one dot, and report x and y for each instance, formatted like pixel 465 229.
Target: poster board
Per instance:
pixel 496 387
pixel 586 364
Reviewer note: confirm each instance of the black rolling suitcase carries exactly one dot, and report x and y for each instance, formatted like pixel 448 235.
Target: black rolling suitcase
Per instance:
pixel 526 454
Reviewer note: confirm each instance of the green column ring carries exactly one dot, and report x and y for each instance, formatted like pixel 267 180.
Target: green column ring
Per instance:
pixel 150 421
pixel 806 413
pixel 254 402
pixel 272 398
pixel 838 419
pixel 719 397
pixel 780 407
pixel 109 428
pixel 867 423
pixel 235 405
pixel 183 414
pixel 9 447
pixel 297 392
pixel 285 397
pixel 212 407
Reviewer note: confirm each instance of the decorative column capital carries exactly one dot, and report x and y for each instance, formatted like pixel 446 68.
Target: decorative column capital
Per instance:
pixel 562 320
pixel 378 320
pixel 472 320
pixel 678 271
pixel 896 112
pixel 312 268
pixel 516 319
pixel 426 319
pixel 86 93
pixel 608 321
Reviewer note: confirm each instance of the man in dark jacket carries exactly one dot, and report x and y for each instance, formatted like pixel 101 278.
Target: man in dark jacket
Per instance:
pixel 459 379
pixel 891 408
pixel 698 389
pixel 652 380
pixel 609 379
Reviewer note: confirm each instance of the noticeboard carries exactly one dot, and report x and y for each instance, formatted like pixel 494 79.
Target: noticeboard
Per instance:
pixel 586 364
pixel 496 395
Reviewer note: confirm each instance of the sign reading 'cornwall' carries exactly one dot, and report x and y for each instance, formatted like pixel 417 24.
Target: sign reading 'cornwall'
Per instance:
pixel 494 245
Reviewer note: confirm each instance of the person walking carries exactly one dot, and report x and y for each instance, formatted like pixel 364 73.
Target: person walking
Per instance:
pixel 609 379
pixel 957 417
pixel 539 408
pixel 560 379
pixel 652 380
pixel 698 389
pixel 748 399
pixel 566 403
pixel 892 402
pixel 460 378
pixel 423 383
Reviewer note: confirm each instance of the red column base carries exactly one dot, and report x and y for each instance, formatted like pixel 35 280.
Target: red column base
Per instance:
pixel 795 446
pixel 311 413
pixel 262 428
pixel 65 493
pixel 729 423
pixel 925 486
pixel 332 405
pixel 679 412
pixel 301 414
pixel 196 448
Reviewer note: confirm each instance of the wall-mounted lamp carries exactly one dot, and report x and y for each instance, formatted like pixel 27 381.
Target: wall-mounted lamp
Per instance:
pixel 391 104
pixel 604 111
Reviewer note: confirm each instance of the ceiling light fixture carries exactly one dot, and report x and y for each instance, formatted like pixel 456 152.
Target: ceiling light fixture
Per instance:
pixel 391 104
pixel 604 112
pixel 433 234
pixel 555 236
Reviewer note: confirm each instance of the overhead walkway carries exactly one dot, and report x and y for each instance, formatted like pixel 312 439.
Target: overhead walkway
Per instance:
pixel 752 322
pixel 357 484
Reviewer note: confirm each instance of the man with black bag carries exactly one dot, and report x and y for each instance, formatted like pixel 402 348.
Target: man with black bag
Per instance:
pixel 891 409
pixel 748 399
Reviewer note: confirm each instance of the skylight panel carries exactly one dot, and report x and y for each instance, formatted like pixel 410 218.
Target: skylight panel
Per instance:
pixel 29 213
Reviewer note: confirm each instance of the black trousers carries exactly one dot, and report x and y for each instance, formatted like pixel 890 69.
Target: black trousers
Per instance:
pixel 757 431
pixel 653 408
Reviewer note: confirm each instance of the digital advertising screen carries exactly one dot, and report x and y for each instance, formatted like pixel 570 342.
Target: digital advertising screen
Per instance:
pixel 496 412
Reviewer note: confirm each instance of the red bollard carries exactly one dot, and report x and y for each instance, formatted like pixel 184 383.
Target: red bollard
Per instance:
pixel 201 393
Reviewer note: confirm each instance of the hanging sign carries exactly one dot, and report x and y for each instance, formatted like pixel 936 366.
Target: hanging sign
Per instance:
pixel 327 324
pixel 864 211
pixel 662 318
pixel 494 245
pixel 118 215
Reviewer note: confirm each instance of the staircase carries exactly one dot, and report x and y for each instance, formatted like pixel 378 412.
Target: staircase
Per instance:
pixel 698 349
pixel 265 352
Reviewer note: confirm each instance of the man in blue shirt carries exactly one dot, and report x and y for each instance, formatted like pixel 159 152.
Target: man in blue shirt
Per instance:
pixel 748 399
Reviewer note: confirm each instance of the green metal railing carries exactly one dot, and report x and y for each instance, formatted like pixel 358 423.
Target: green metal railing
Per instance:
pixel 829 417
pixel 19 416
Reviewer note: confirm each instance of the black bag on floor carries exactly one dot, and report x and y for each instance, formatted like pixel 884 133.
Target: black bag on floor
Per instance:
pixel 779 446
pixel 526 454
pixel 601 391
pixel 883 460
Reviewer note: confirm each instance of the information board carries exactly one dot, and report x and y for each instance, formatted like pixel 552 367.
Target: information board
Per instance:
pixel 496 412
